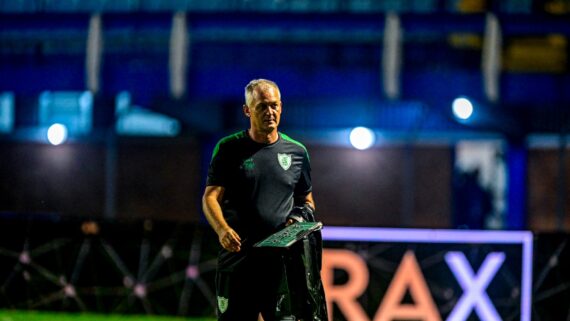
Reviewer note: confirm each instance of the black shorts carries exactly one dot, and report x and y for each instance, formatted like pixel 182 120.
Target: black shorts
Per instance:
pixel 260 283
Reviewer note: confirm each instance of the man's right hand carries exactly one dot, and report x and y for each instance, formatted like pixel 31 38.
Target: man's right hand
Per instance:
pixel 230 240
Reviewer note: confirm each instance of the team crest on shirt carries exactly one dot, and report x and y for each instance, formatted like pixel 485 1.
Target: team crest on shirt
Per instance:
pixel 222 304
pixel 284 160
pixel 248 164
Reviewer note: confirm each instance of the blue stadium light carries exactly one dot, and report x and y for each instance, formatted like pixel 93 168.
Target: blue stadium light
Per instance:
pixel 57 134
pixel 141 122
pixel 6 112
pixel 462 108
pixel 74 109
pixel 362 138
pixel 137 121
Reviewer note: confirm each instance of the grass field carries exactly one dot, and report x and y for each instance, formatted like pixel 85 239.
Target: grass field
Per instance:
pixel 9 315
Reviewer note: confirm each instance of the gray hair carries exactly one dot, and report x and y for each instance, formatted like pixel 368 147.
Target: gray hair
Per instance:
pixel 258 83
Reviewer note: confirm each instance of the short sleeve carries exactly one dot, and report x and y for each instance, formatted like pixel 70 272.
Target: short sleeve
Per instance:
pixel 217 171
pixel 304 185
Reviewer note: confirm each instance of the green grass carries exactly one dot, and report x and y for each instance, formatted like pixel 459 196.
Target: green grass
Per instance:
pixel 9 315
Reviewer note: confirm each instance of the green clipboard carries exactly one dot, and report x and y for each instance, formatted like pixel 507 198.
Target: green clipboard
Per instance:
pixel 290 234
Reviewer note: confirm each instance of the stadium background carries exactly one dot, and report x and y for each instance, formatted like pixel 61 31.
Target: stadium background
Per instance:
pixel 110 220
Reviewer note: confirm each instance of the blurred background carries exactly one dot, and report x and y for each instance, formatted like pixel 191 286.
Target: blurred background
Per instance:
pixel 415 113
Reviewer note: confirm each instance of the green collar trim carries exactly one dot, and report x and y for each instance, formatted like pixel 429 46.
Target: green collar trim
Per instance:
pixel 238 135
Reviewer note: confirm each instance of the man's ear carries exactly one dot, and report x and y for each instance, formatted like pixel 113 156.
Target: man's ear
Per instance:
pixel 246 110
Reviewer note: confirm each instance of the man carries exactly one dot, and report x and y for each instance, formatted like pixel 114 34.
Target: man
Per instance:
pixel 258 181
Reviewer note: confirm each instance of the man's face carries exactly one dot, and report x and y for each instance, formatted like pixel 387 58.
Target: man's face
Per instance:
pixel 264 110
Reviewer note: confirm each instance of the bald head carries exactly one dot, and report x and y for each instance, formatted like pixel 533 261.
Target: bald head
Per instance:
pixel 262 84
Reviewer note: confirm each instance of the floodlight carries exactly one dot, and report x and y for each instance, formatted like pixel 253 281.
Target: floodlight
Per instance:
pixel 57 134
pixel 362 138
pixel 462 108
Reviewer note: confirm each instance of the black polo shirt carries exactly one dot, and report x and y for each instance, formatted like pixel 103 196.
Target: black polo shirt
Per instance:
pixel 260 181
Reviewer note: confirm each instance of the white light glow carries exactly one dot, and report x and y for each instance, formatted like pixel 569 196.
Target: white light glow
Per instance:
pixel 57 134
pixel 362 138
pixel 462 108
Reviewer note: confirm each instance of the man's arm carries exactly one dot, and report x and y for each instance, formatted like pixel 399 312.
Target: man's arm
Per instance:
pixel 301 201
pixel 229 239
pixel 305 199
